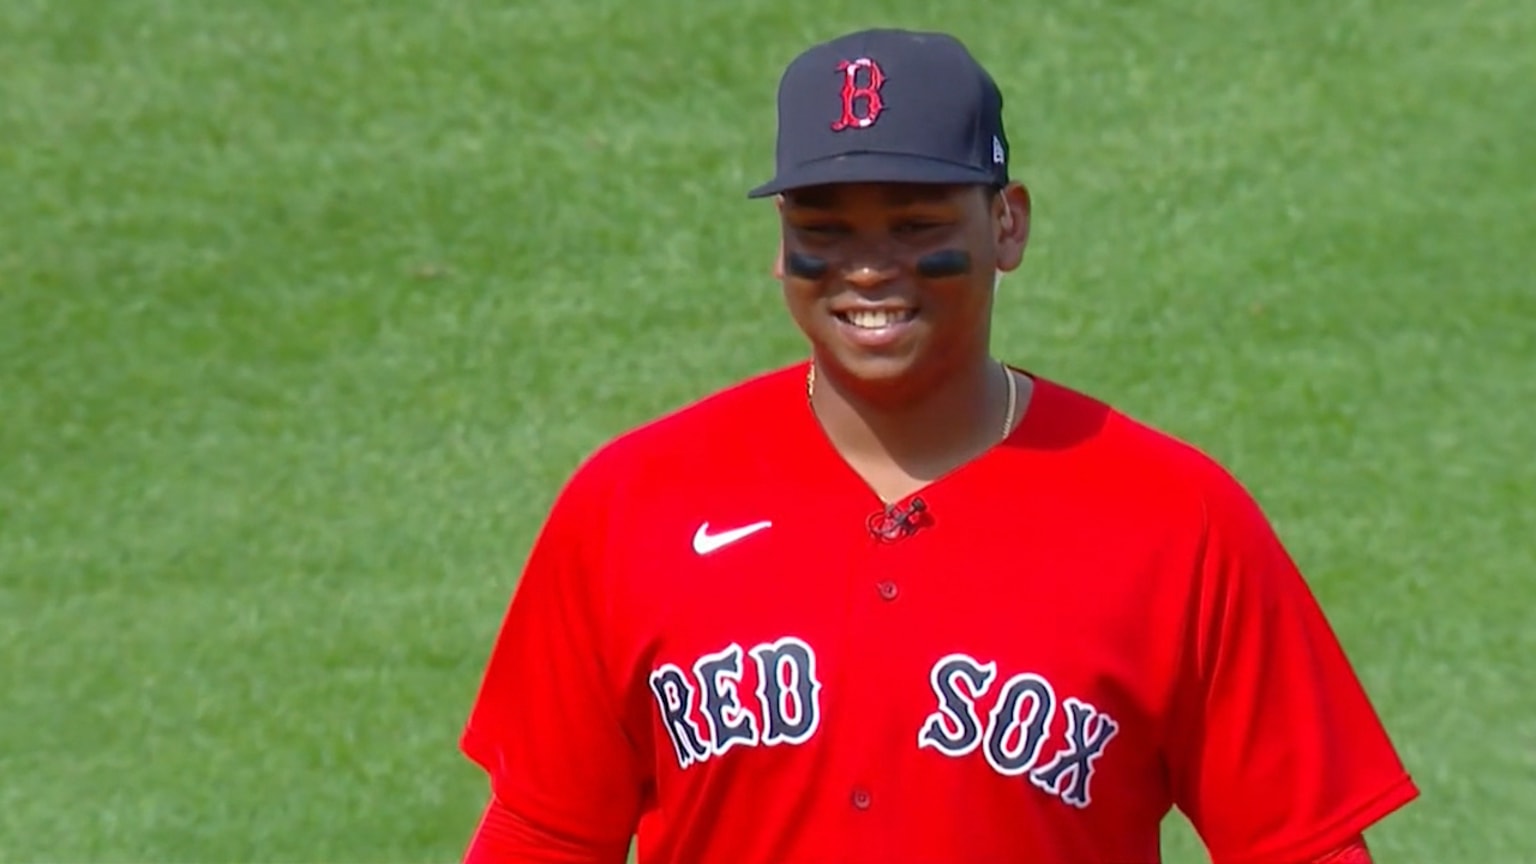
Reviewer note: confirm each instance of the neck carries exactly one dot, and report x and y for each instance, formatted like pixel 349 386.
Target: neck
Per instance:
pixel 925 429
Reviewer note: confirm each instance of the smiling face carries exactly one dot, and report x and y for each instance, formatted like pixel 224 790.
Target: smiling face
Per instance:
pixel 893 283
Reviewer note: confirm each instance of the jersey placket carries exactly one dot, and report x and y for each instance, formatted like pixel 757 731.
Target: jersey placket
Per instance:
pixel 875 628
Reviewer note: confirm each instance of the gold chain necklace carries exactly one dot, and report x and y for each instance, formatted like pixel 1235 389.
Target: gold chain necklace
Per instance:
pixel 1013 394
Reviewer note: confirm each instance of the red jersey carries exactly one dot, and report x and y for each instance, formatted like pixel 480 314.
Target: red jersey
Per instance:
pixel 720 642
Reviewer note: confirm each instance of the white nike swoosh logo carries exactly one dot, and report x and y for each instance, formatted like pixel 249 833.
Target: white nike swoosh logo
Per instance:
pixel 705 542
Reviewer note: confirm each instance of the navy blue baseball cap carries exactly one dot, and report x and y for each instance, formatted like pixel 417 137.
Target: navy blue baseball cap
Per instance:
pixel 886 105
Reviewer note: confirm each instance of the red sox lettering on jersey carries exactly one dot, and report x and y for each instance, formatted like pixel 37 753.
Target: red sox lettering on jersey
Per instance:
pixel 1015 735
pixel 705 715
pixel 787 700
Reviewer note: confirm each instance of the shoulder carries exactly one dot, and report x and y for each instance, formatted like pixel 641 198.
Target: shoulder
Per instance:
pixel 1165 496
pixel 1135 460
pixel 684 437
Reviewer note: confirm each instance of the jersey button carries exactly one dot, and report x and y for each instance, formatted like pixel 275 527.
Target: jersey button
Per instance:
pixel 861 799
pixel 887 590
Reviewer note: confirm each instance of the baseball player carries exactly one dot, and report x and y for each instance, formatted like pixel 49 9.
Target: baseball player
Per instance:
pixel 904 602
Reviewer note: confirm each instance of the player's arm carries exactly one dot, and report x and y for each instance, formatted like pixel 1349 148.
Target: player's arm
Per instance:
pixel 546 726
pixel 1275 753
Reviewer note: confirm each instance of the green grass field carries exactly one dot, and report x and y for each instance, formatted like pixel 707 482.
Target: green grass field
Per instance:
pixel 306 309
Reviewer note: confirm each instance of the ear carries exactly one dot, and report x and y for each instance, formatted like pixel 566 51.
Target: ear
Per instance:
pixel 1010 219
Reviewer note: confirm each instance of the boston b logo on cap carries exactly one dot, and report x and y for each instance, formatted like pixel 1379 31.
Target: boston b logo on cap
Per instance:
pixel 861 102
pixel 888 106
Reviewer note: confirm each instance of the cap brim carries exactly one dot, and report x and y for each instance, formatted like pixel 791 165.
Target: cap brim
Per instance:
pixel 872 168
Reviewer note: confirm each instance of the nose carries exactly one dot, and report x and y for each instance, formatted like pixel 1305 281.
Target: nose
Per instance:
pixel 866 276
pixel 869 261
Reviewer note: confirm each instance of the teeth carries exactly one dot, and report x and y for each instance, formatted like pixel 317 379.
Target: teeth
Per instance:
pixel 874 319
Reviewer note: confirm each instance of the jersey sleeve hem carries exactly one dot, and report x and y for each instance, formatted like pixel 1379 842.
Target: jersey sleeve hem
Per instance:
pixel 516 798
pixel 478 747
pixel 1395 796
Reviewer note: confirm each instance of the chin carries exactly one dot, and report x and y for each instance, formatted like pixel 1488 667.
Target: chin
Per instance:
pixel 868 368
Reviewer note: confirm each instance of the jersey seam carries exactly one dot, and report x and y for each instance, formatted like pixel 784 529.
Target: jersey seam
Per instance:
pixel 596 553
pixel 1191 630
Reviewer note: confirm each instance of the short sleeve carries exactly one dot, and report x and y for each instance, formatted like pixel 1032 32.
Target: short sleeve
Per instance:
pixel 1277 753
pixel 545 724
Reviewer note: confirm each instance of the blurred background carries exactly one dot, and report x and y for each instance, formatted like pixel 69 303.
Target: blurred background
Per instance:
pixel 307 307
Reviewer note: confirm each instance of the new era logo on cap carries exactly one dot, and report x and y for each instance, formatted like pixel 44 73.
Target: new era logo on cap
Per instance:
pixel 894 106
